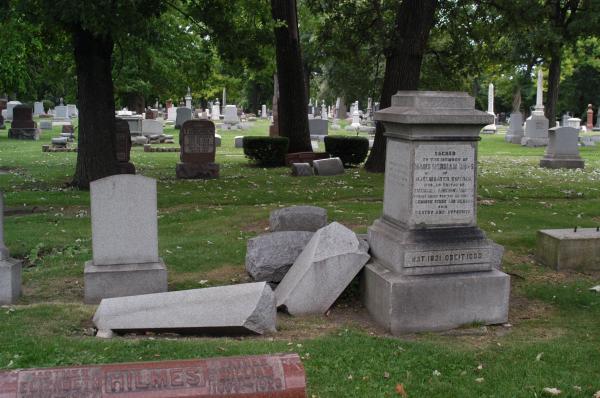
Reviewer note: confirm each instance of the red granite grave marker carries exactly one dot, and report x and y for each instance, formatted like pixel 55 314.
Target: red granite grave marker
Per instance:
pixel 279 375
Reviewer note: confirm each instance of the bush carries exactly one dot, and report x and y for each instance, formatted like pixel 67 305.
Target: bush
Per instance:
pixel 48 105
pixel 266 151
pixel 351 150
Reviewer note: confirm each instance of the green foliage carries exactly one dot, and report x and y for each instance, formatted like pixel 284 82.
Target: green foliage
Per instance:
pixel 266 151
pixel 351 150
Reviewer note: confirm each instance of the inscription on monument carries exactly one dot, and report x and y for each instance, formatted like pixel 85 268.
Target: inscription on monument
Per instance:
pixel 397 181
pixel 432 258
pixel 444 184
pixel 256 376
pixel 197 141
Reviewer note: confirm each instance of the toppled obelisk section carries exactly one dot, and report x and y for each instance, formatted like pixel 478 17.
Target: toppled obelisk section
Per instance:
pixel 326 266
pixel 270 256
pixel 225 310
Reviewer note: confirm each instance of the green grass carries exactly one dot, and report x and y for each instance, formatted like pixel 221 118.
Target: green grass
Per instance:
pixel 203 228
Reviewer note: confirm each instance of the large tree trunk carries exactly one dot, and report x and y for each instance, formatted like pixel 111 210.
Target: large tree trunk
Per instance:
pixel 96 156
pixel 414 20
pixel 293 98
pixel 553 83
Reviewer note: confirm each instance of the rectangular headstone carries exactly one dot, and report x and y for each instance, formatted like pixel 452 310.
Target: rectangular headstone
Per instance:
pixel 38 108
pixel 198 146
pixel 328 167
pixel 575 249
pixel 152 127
pixel 276 375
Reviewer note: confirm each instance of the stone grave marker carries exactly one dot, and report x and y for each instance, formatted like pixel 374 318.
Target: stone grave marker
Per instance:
pixel 432 267
pixel 183 115
pixel 247 308
pixel 123 138
pixel 263 112
pixel 198 149
pixel 152 127
pixel 260 376
pixel 10 268
pixel 23 127
pixel 515 132
pixel 302 170
pixel 562 151
pixel 172 114
pixel 72 111
pixel 318 128
pixel 589 118
pixel 124 239
pixel 298 218
pixel 10 105
pixel 573 249
pixel 328 167
pixel 238 141
pixel 536 129
pixel 38 108
pixel 490 128
pixel 230 118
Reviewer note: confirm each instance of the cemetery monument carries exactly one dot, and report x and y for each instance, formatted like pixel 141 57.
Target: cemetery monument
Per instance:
pixel 10 268
pixel 536 129
pixel 198 148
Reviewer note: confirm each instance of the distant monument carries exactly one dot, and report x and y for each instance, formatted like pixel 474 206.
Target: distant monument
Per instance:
pixel 536 128
pixel 490 128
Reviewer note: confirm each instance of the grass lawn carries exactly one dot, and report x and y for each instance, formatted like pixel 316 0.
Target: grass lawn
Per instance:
pixel 554 340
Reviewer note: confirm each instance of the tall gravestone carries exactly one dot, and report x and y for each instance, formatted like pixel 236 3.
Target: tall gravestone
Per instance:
pixel 123 137
pixel 183 115
pixel 198 147
pixel 38 108
pixel 490 128
pixel 590 118
pixel 263 112
pixel 515 131
pixel 432 268
pixel 124 239
pixel 10 105
pixel 23 127
pixel 536 129
pixel 10 268
pixel 563 150
pixel 216 111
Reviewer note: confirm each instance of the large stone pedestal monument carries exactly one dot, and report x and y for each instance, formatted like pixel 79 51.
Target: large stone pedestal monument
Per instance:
pixel 536 128
pixel 10 268
pixel 432 268
pixel 124 239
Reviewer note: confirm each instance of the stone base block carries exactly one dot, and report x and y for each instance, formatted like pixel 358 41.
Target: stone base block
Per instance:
pixel 197 170
pixel 24 134
pixel 106 281
pixel 569 249
pixel 407 304
pixel 10 280
pixel 513 139
pixel 534 142
pixel 550 163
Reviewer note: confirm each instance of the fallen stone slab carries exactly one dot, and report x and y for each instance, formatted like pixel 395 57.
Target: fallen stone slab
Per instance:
pixel 225 310
pixel 270 256
pixel 326 266
pixel 258 376
pixel 328 167
pixel 302 170
pixel 298 218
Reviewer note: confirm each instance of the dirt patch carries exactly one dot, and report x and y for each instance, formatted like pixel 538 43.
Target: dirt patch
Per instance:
pixel 522 309
pixel 257 227
pixel 17 211
pixel 53 290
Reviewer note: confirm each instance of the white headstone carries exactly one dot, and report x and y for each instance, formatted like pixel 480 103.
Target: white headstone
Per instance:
pixel 231 116
pixel 124 220
pixel 9 109
pixel 38 108
pixel 152 127
pixel 172 113
pixel 216 111
pixel 263 112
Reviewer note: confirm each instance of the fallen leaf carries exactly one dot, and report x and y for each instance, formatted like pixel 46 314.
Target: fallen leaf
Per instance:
pixel 479 380
pixel 400 390
pixel 386 375
pixel 596 395
pixel 595 289
pixel 479 367
pixel 539 356
pixel 551 391
pixel 436 373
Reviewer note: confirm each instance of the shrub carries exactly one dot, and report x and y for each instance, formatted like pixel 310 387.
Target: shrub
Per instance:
pixel 351 150
pixel 266 151
pixel 48 105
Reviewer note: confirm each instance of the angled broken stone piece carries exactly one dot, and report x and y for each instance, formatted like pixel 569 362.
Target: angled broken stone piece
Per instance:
pixel 326 266
pixel 225 310
pixel 270 256
pixel 298 218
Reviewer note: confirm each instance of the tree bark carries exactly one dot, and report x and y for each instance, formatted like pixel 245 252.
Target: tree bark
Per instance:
pixel 96 156
pixel 553 83
pixel 403 59
pixel 293 98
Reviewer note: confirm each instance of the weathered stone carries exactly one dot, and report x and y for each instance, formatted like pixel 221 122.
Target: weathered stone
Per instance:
pixel 10 268
pixel 318 127
pixel 515 132
pixel 152 127
pixel 270 256
pixel 23 127
pixel 139 140
pixel 328 167
pixel 183 115
pixel 239 141
pixel 260 376
pixel 46 124
pixel 124 239
pixel 302 170
pixel 298 218
pixel 562 151
pixel 330 261
pixel 406 304
pixel 572 249
pixel 198 148
pixel 236 309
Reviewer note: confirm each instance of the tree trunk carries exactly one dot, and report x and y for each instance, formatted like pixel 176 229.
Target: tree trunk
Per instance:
pixel 553 83
pixel 293 98
pixel 136 102
pixel 414 20
pixel 96 156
